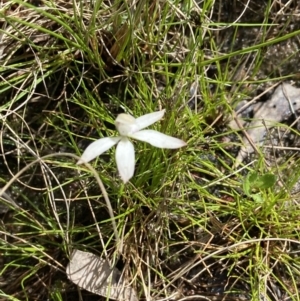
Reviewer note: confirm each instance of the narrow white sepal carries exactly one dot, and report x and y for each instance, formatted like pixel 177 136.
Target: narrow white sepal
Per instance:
pixel 125 159
pixel 158 139
pixel 148 119
pixel 97 148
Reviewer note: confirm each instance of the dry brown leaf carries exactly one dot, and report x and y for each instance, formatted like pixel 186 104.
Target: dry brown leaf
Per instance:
pixel 95 275
pixel 283 102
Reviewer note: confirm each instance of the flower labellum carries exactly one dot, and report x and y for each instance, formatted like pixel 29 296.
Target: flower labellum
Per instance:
pixel 130 127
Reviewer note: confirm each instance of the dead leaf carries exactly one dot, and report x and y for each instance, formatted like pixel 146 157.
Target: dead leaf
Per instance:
pixel 95 275
pixel 284 101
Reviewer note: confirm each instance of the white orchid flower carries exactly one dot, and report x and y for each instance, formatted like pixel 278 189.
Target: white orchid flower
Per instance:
pixel 130 127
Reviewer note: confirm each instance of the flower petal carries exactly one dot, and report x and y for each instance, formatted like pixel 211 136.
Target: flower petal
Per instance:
pixel 158 139
pixel 148 119
pixel 125 159
pixel 125 124
pixel 97 148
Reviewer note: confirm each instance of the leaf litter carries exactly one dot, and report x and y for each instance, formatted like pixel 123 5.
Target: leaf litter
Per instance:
pixel 284 101
pixel 96 275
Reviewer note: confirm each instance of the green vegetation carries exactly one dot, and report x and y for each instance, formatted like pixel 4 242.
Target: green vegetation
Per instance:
pixel 188 222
